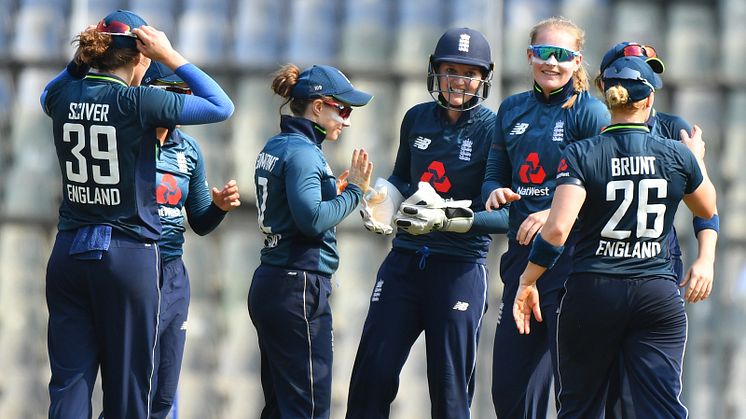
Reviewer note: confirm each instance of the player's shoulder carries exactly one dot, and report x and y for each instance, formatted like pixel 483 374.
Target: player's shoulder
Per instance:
pixel 669 125
pixel 187 140
pixel 588 103
pixel 521 99
pixel 417 110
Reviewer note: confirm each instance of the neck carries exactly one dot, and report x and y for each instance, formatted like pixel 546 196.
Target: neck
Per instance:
pixel 124 73
pixel 452 115
pixel 639 116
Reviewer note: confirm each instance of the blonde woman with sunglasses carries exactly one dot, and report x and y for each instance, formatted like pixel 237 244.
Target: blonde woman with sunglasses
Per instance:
pixel 532 129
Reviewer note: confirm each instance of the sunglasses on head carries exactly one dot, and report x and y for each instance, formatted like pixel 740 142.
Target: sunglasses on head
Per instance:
pixel 344 111
pixel 543 52
pixel 175 88
pixel 637 50
pixel 115 28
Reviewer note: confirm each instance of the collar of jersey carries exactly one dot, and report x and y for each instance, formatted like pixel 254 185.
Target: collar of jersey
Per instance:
pixel 174 137
pixel 303 126
pixel 106 77
pixel 464 116
pixel 652 120
pixel 626 127
pixel 556 96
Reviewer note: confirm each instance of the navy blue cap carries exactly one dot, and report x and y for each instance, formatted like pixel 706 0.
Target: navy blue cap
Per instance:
pixel 463 46
pixel 634 74
pixel 159 72
pixel 119 24
pixel 323 80
pixel 617 51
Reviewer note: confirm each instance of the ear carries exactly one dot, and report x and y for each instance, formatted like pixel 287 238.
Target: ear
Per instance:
pixel 529 54
pixel 317 106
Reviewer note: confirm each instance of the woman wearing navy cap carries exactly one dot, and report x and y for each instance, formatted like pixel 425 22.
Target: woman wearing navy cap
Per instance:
pixel 103 275
pixel 434 279
pixel 699 277
pixel 532 129
pixel 622 299
pixel 181 183
pixel 299 203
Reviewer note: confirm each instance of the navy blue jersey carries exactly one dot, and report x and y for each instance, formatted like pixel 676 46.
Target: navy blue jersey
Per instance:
pixel 452 158
pixel 297 202
pixel 181 183
pixel 530 134
pixel 667 126
pixel 634 182
pixel 105 140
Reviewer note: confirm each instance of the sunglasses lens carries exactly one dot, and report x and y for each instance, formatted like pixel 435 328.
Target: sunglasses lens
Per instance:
pixel 560 54
pixel 650 51
pixel 634 51
pixel 114 28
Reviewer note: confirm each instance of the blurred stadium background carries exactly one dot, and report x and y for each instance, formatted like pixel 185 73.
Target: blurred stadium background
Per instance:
pixel 383 45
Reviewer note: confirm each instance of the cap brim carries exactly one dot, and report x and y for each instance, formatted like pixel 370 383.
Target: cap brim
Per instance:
pixel 354 97
pixel 656 64
pixel 657 82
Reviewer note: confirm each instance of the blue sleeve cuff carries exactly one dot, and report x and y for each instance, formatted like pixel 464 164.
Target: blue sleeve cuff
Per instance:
pixel 543 253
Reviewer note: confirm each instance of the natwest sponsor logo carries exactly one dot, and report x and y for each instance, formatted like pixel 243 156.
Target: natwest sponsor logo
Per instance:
pixel 436 176
pixel 532 191
pixel 531 170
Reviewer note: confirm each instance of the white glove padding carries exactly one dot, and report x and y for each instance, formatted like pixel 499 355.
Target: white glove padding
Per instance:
pixel 426 211
pixel 379 206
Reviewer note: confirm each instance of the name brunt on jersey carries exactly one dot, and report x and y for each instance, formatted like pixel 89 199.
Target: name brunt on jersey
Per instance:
pixel 622 247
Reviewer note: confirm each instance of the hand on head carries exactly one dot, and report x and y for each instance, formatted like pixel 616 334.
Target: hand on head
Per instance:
pixel 154 44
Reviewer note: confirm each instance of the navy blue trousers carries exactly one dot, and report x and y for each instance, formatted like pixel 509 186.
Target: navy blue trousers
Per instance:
pixel 619 399
pixel 641 321
pixel 293 319
pixel 446 299
pixel 172 335
pixel 102 313
pixel 523 365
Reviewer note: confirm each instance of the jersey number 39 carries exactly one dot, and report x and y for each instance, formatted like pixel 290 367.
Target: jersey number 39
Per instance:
pixel 109 176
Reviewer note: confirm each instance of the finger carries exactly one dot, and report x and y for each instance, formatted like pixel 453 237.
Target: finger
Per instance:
pixel 518 317
pixel 687 277
pixel 343 175
pixel 537 313
pixel 232 182
pixel 683 135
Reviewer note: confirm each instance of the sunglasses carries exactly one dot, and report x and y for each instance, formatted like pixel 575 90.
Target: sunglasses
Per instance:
pixel 637 50
pixel 344 111
pixel 115 28
pixel 175 88
pixel 560 54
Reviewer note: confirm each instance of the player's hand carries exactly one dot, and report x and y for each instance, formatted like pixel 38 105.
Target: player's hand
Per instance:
pixel 530 226
pixel 227 198
pixel 360 170
pixel 342 181
pixel 500 197
pixel 526 302
pixel 694 141
pixel 154 44
pixel 698 280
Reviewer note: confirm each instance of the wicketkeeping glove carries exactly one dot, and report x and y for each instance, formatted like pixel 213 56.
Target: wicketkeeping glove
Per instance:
pixel 426 211
pixel 379 207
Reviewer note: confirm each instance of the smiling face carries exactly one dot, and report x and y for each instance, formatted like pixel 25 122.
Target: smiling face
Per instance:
pixel 551 74
pixel 458 82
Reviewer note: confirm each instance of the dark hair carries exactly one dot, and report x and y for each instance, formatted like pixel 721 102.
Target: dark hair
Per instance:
pixel 284 80
pixel 95 49
pixel 580 76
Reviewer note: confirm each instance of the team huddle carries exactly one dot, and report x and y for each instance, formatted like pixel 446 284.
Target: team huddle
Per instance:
pixel 592 312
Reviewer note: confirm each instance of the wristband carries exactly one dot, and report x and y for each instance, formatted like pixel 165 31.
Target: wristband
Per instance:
pixel 705 224
pixel 543 253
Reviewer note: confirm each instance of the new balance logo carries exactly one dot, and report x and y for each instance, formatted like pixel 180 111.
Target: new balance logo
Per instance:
pixel 463 42
pixel 461 306
pixel 184 325
pixel 500 312
pixel 422 143
pixel 377 291
pixel 519 128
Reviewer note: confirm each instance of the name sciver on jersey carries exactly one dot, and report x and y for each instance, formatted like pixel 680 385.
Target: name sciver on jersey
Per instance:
pixel 96 112
pixel 625 166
